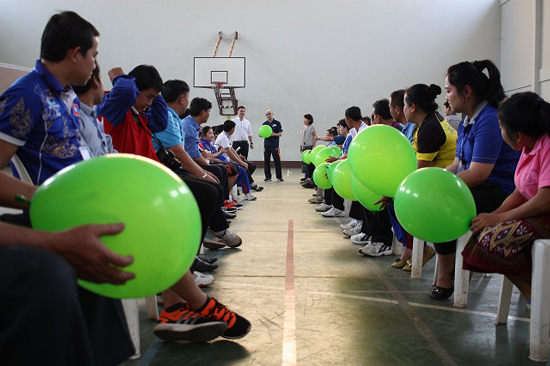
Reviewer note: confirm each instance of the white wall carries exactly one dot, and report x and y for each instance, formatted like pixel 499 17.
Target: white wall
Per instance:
pixel 307 56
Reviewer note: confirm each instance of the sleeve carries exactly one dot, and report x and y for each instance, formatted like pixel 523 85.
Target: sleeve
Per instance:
pixel 430 139
pixel 544 174
pixel 119 100
pixel 345 147
pixel 248 129
pixel 280 127
pixel 487 140
pixel 20 109
pixel 339 140
pixel 158 117
pixel 191 143
pixel 170 136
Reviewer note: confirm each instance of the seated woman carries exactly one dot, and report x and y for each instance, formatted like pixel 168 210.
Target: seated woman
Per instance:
pixel 507 234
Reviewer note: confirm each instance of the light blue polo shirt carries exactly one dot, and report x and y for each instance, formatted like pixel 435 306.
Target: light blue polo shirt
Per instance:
pixel 173 134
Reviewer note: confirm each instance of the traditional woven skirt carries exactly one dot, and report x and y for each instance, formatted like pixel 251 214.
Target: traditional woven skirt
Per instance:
pixel 506 247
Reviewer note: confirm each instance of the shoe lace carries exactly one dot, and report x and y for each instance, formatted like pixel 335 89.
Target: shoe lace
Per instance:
pixel 220 312
pixel 180 315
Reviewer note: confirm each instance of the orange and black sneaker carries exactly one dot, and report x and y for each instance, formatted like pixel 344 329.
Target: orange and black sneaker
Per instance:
pixel 237 326
pixel 180 323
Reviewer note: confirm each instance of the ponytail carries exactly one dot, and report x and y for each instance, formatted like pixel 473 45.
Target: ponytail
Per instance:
pixel 526 113
pixel 486 88
pixel 423 96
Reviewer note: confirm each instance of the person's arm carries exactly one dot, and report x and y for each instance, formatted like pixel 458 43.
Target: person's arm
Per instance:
pixel 120 99
pixel 314 134
pixel 477 174
pixel 189 164
pixel 324 138
pixel 249 132
pixel 424 164
pixel 158 115
pixel 454 166
pixel 538 205
pixel 12 188
pixel 80 246
pixel 235 157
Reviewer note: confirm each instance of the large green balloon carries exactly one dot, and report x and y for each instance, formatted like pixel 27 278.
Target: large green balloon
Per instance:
pixel 380 157
pixel 265 131
pixel 162 219
pixel 315 151
pixel 365 195
pixel 306 158
pixel 337 150
pixel 341 181
pixel 434 205
pixel 320 176
pixel 331 168
pixel 324 154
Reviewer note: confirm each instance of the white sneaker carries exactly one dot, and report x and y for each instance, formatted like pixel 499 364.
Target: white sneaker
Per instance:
pixel 334 212
pixel 250 197
pixel 361 239
pixel 202 280
pixel 229 239
pixel 353 231
pixel 323 208
pixel 376 249
pixel 349 225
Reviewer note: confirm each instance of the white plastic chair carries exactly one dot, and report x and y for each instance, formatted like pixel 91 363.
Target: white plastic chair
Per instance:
pixel 540 301
pixel 131 310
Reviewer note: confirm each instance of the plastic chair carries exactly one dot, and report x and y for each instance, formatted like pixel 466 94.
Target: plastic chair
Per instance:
pixel 540 301
pixel 131 310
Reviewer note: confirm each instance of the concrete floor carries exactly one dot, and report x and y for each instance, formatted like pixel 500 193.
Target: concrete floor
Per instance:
pixel 334 306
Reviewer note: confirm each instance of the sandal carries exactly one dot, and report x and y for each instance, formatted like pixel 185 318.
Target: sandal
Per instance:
pixel 398 263
pixel 441 293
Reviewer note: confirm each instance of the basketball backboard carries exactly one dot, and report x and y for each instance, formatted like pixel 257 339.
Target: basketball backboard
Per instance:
pixel 229 71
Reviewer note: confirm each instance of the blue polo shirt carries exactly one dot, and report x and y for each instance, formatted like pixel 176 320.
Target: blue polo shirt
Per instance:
pixel 42 118
pixel 347 142
pixel 480 141
pixel 173 134
pixel 276 126
pixel 408 131
pixel 339 140
pixel 191 130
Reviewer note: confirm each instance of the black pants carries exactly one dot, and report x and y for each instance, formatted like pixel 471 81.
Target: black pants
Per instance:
pixel 47 319
pixel 488 198
pixel 251 169
pixel 357 211
pixel 332 198
pixel 268 152
pixel 220 171
pixel 241 147
pixel 378 225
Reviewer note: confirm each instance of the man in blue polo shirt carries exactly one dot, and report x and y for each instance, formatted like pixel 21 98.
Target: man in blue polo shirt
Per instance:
pixel 271 147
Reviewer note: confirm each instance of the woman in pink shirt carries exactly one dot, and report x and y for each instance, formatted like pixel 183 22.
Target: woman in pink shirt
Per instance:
pixel 506 235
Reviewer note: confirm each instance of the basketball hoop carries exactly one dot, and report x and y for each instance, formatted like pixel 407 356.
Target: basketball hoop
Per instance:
pixel 218 85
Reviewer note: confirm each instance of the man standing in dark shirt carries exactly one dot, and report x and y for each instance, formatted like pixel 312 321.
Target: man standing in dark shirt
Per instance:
pixel 271 147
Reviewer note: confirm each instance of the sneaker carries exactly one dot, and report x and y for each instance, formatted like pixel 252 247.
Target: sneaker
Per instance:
pixel 323 208
pixel 212 244
pixel 316 199
pixel 334 212
pixel 180 323
pixel 353 231
pixel 250 197
pixel 349 225
pixel 267 180
pixel 257 188
pixel 376 249
pixel 237 326
pixel 361 239
pixel 280 180
pixel 206 259
pixel 229 215
pixel 230 239
pixel 202 266
pixel 202 280
pixel 302 179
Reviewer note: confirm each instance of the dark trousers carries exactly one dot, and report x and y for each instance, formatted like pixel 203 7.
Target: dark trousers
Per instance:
pixel 332 198
pixel 356 211
pixel 220 171
pixel 251 169
pixel 378 225
pixel 488 198
pixel 268 152
pixel 241 147
pixel 47 319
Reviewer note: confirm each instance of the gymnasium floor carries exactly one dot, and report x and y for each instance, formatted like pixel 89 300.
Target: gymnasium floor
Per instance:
pixel 313 300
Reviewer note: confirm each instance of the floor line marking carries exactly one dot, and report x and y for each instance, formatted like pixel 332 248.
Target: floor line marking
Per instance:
pixel 289 327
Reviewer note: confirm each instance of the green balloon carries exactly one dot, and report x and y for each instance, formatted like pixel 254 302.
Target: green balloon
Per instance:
pixel 265 131
pixel 315 151
pixel 341 181
pixel 365 195
pixel 306 158
pixel 434 205
pixel 161 217
pixel 380 158
pixel 323 155
pixel 337 150
pixel 331 168
pixel 320 176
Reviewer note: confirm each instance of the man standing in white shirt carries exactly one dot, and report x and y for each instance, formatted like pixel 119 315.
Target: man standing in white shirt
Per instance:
pixel 242 138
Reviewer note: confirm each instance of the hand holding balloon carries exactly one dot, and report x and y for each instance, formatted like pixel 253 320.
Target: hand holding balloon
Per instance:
pixel 485 220
pixel 384 202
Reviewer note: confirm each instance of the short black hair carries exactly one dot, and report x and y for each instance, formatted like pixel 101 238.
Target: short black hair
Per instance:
pixel 147 77
pixel 79 90
pixel 241 107
pixel 172 89
pixel 63 32
pixel 205 130
pixel 309 117
pixel 354 113
pixel 217 129
pixel 382 108
pixel 333 131
pixel 423 96
pixel 228 125
pixel 198 105
pixel 343 123
pixel 397 98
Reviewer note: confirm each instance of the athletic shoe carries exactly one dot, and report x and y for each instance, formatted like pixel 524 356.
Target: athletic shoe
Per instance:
pixel 212 244
pixel 180 323
pixel 250 197
pixel 361 239
pixel 257 188
pixel 267 180
pixel 229 215
pixel 206 259
pixel 323 208
pixel 316 199
pixel 237 326
pixel 230 239
pixel 229 208
pixel 280 180
pixel 334 212
pixel 350 224
pixel 202 280
pixel 302 179
pixel 353 231
pixel 202 266
pixel 376 249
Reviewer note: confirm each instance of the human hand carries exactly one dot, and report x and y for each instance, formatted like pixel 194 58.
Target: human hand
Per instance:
pixel 242 157
pixel 211 177
pixel 331 159
pixel 92 260
pixel 114 72
pixel 384 202
pixel 251 146
pixel 244 165
pixel 483 221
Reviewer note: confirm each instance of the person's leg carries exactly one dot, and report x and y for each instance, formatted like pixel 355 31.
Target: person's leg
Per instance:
pixel 337 201
pixel 207 197
pixel 356 211
pixel 275 151
pixel 218 171
pixel 328 196
pixel 267 162
pixel 243 180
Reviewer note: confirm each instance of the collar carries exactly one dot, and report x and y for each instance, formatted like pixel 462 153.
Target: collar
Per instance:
pixel 51 80
pixel 87 110
pixel 480 107
pixel 538 145
pixel 170 110
pixel 197 126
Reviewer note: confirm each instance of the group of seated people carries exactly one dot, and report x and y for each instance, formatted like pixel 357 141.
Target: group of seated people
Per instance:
pixel 59 115
pixel 497 149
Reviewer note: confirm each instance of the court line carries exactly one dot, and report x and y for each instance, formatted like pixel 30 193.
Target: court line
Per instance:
pixel 289 322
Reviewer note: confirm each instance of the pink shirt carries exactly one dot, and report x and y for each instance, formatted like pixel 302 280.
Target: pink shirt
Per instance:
pixel 533 170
